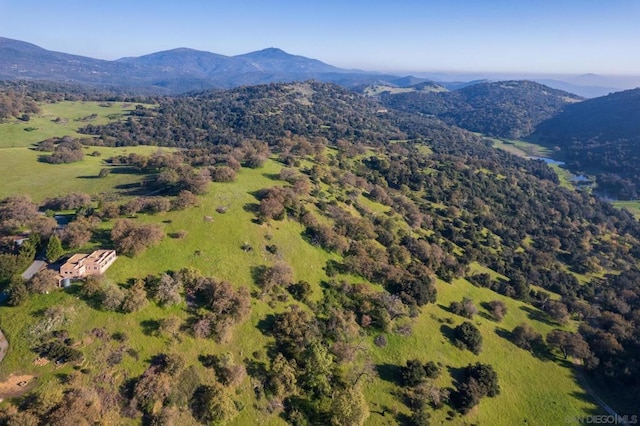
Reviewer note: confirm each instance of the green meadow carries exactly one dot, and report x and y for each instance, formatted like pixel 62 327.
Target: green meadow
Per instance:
pixel 23 173
pixel 541 391
pixel 59 119
pixel 632 206
pixel 521 148
pixel 534 391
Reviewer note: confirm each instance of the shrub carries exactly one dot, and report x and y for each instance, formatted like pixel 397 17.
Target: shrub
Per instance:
pixel 468 336
pixel 479 380
pixel 466 308
pixel 131 239
pixel 413 373
pixel 380 341
pixel 525 337
pixel 43 281
pixel 498 309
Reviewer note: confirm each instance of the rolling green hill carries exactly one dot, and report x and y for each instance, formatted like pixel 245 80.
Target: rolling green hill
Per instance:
pixel 600 136
pixel 336 265
pixel 508 109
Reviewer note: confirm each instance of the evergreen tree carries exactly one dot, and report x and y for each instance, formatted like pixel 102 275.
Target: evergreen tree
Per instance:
pixel 54 249
pixel 17 290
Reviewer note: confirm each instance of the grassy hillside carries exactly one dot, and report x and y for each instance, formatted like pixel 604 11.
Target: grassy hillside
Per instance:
pixel 214 248
pixel 524 378
pixel 59 119
pixel 312 249
pixel 23 173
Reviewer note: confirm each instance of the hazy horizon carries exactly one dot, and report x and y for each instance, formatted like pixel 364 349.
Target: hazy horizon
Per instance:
pixel 559 37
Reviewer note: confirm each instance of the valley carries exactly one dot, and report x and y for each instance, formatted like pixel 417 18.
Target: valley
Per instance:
pixel 324 248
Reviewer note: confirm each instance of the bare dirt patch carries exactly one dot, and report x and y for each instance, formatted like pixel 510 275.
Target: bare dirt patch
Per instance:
pixel 16 385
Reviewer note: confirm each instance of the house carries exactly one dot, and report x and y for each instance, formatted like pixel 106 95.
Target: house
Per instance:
pixel 80 265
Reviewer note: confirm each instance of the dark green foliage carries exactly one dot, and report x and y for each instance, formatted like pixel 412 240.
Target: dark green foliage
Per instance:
pixel 525 337
pixel 463 203
pixel 211 404
pixel 413 373
pixel 294 330
pixel 300 291
pixel 239 114
pixel 10 265
pixel 600 136
pixel 135 298
pixel 432 370
pixel 479 380
pixel 58 351
pixel 509 109
pixel 420 417
pixel 468 336
pixel 54 249
pixel 17 290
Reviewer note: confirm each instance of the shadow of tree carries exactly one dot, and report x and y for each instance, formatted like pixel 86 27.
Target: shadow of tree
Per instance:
pixel 390 373
pixel 103 238
pixel 272 176
pixel 251 208
pixel 150 327
pixel 536 315
pixel 449 334
pixel 257 274
pixel 266 324
pixel 539 351
pixel 94 302
pixel 445 308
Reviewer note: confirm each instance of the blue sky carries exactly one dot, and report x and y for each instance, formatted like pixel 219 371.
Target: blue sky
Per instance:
pixel 561 36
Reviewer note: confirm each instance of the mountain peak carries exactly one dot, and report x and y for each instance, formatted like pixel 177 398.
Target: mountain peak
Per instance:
pixel 268 53
pixel 8 43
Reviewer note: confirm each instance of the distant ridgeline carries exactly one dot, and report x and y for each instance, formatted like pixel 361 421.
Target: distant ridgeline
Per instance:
pixel 508 109
pixel 600 136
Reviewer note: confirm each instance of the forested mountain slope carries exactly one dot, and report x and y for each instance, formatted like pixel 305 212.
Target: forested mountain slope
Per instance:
pixel 509 109
pixel 538 233
pixel 600 136
pixel 334 251
pixel 172 71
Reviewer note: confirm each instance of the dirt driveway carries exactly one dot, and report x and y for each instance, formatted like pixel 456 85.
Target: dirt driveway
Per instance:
pixel 15 385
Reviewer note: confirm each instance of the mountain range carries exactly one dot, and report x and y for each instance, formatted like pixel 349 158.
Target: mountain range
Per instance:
pixel 172 71
pixel 184 70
